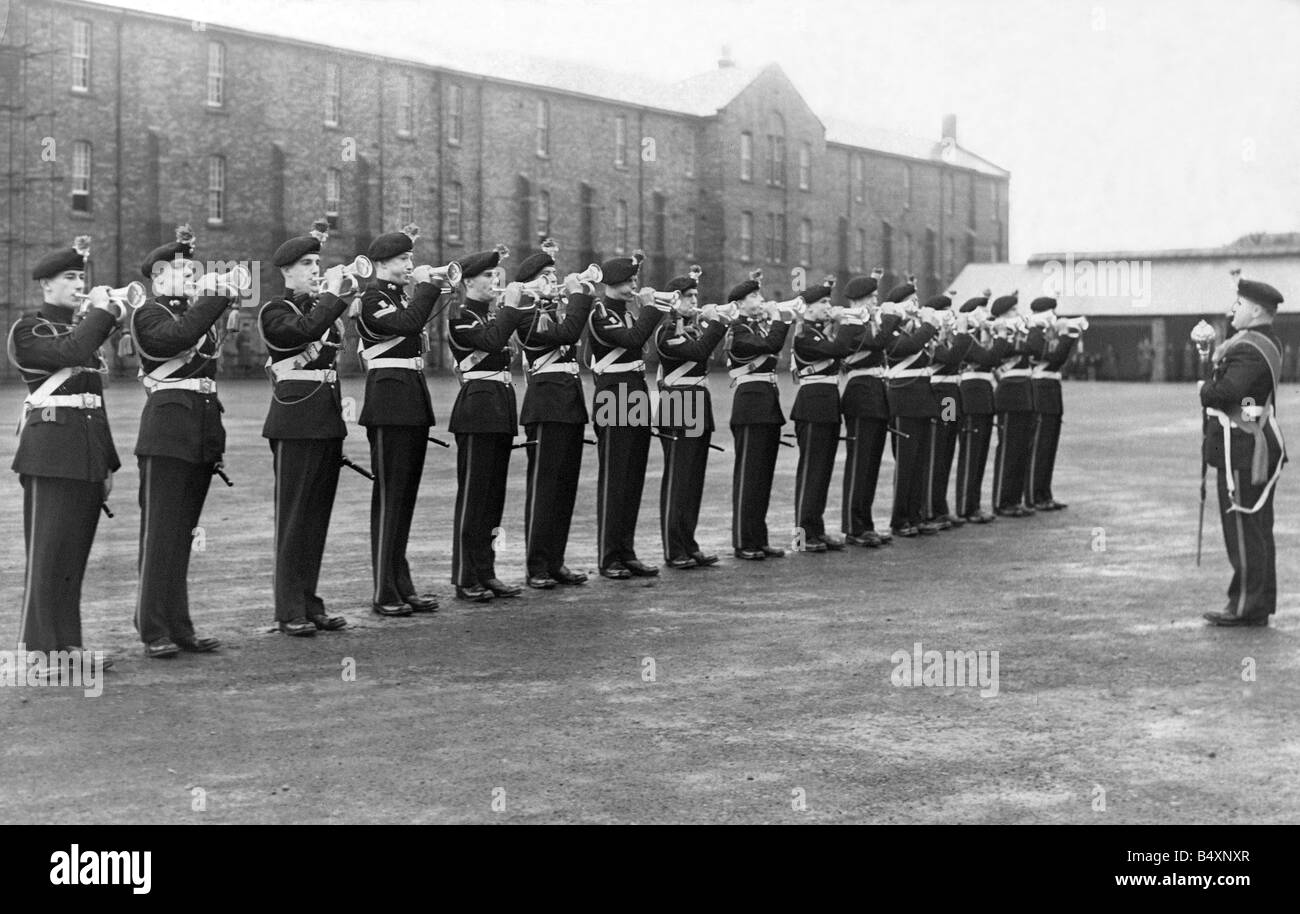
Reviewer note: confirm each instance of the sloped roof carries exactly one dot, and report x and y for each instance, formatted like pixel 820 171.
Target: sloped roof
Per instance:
pixel 1130 285
pixel 863 136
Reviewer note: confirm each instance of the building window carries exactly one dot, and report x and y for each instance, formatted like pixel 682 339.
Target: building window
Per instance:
pixel 690 156
pixel 770 251
pixel 860 251
pixel 406 107
pixel 543 127
pixel 333 94
pixel 406 201
pixel 805 242
pixel 952 194
pixel 907 251
pixel 859 179
pixel 970 248
pixel 776 161
pixel 543 214
pixel 907 189
pixel 781 256
pixel 80 55
pixel 996 188
pixel 587 222
pixel 216 190
pixel 455 113
pixel 333 193
pixel 451 207
pixel 216 74
pixel 81 177
pixel 620 141
pixel 949 259
pixel 746 156
pixel 805 166
pixel 688 242
pixel 970 194
pixel 620 227
pixel 746 236
pixel 887 246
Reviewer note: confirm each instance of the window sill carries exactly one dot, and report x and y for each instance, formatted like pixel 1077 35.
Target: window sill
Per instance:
pixel 217 109
pixel 543 155
pixel 218 224
pixel 332 125
pixel 80 214
pixel 80 93
pixel 455 143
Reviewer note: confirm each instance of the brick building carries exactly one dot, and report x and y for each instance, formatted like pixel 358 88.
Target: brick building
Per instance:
pixel 122 124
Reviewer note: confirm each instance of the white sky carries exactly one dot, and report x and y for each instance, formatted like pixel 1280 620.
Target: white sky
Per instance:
pixel 1125 123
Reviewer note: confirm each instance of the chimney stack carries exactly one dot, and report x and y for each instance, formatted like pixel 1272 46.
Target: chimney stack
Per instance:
pixel 725 62
pixel 950 127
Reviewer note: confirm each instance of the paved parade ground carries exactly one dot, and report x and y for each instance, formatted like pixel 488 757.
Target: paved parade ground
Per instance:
pixel 747 692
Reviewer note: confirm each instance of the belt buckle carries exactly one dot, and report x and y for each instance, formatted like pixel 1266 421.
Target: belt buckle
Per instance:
pixel 207 386
pixel 87 401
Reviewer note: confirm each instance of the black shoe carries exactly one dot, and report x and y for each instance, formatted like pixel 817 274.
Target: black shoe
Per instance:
pixel 814 545
pixel 927 529
pixel 326 623
pixel 681 561
pixel 541 581
pixel 885 537
pixel 773 552
pixel 299 628
pixel 1013 511
pixel 476 592
pixel 980 517
pixel 197 645
pixel 565 576
pixel 616 571
pixel 88 657
pixel 391 609
pixel 640 569
pixel 422 602
pixel 870 538
pixel 907 530
pixel 954 521
pixel 753 555
pixel 501 589
pixel 704 561
pixel 163 647
pixel 833 543
pixel 940 523
pixel 1229 620
pixel 1050 505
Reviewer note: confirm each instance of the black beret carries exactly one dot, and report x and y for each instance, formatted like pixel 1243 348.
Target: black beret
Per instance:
pixel 901 293
pixel 619 270
pixel 1004 304
pixel 1261 293
pixel 682 284
pixel 973 303
pixel 60 261
pixel 393 244
pixel 478 264
pixel 1044 303
pixel 939 303
pixel 742 290
pixel 860 287
pixel 182 250
pixel 295 249
pixel 530 267
pixel 815 293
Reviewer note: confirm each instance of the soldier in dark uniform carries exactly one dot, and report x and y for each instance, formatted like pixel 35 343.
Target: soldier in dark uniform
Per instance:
pixel 554 417
pixel 977 381
pixel 624 441
pixel 1243 442
pixel 1014 401
pixel 685 345
pixel 753 349
pixel 945 383
pixel 819 344
pixel 181 438
pixel 866 412
pixel 65 457
pixel 1052 348
pixel 912 405
pixel 303 331
pixel 483 419
pixel 397 412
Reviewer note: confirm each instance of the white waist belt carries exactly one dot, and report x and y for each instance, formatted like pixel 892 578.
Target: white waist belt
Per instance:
pixel 319 375
pixel 620 367
pixel 414 364
pixel 1048 375
pixel 199 385
pixel 820 379
pixel 556 368
pixel 688 381
pixel 502 376
pixel 876 372
pixel 1017 373
pixel 71 401
pixel 909 373
pixel 766 376
pixel 977 376
pixel 944 379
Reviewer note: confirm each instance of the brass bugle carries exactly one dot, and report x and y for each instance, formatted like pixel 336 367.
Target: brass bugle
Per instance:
pixel 591 274
pixel 132 294
pixel 237 278
pixel 1079 323
pixel 447 275
pixel 666 298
